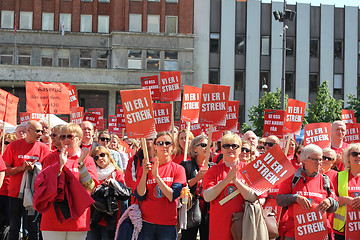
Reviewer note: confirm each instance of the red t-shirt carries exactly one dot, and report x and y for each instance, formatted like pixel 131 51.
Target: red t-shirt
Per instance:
pixel 16 154
pixel 4 187
pixel 2 164
pixel 340 165
pixel 179 158
pixel 156 208
pixel 332 174
pixel 312 189
pixel 49 221
pixel 220 216
pixel 295 163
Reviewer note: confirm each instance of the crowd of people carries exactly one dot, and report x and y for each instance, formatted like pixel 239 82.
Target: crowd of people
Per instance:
pixel 54 182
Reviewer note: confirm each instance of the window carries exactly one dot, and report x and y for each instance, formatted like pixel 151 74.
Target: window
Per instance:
pixel 103 24
pixel 314 48
pixel 86 0
pixel 86 23
pixel 24 56
pixel 171 24
pixel 65 18
pixel 6 55
pixel 314 83
pixel 47 55
pixel 214 42
pixel 152 59
pixel 264 82
pixel 239 81
pixel 290 46
pixel 171 1
pixel 103 1
pixel 134 59
pixel 265 45
pixel 153 0
pixel 338 49
pixel 239 44
pixel 64 57
pixel 135 22
pixel 290 84
pixel 214 76
pixel 338 83
pixel 7 19
pixel 26 20
pixel 153 24
pixel 171 61
pixel 48 21
pixel 85 58
pixel 102 59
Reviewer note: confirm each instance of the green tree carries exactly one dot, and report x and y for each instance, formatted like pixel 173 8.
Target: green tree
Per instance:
pixel 270 100
pixel 326 108
pixel 354 104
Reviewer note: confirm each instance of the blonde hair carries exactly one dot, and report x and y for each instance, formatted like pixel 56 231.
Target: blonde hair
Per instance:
pixel 230 137
pixel 178 149
pixel 346 155
pixel 72 128
pixel 106 151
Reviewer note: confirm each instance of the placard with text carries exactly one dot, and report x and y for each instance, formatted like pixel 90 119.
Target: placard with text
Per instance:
pixel 347 116
pixel 217 132
pixel 195 128
pixel 352 134
pixel 113 126
pixel 274 123
pixel 74 101
pixel 231 117
pixel 77 115
pixel 191 104
pixel 120 116
pixel 26 117
pixel 8 107
pixel 317 133
pixel 162 116
pixel 91 117
pixel 294 116
pixel 152 83
pixel 352 229
pixel 170 86
pixel 100 113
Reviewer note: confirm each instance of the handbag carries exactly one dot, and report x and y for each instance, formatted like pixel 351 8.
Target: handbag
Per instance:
pixel 194 214
pixel 236 226
pixel 271 223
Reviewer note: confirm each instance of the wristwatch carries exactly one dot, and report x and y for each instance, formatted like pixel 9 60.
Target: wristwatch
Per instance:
pixel 81 164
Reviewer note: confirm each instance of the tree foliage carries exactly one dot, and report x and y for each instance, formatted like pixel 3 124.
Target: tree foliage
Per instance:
pixel 354 104
pixel 326 108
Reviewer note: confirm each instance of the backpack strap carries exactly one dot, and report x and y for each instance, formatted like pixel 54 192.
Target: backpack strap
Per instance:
pixel 327 184
pixel 219 158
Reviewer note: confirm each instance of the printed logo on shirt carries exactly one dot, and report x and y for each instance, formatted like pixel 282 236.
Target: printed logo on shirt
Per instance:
pixel 157 192
pixel 355 194
pixel 229 190
pixel 32 158
pixel 354 188
pixel 310 194
pixel 310 200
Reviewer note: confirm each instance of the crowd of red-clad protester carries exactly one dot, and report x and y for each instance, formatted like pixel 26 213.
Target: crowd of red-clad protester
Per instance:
pixel 67 183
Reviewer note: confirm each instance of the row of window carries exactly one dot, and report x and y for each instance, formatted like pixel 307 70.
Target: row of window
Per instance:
pixel 135 22
pixel 155 60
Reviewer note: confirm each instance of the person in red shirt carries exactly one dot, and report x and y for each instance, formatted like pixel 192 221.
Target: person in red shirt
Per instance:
pixel 338 131
pixel 179 149
pixel 295 161
pixel 271 141
pixel 158 186
pixel 88 134
pixel 20 131
pixel 251 137
pixel 20 156
pixel 55 137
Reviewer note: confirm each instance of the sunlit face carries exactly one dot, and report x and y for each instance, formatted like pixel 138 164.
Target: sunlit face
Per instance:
pixel 269 143
pixel 328 161
pixel 113 143
pixel 245 152
pixel 6 143
pixel 200 149
pixel 182 139
pixel 88 130
pixel 104 140
pixel 313 163
pixel 70 141
pixel 338 130
pixel 55 137
pixel 101 159
pixel 252 138
pixel 34 132
pixel 163 146
pixel 354 157
pixel 231 153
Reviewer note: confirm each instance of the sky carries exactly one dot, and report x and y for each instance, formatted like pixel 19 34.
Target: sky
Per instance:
pixel 337 3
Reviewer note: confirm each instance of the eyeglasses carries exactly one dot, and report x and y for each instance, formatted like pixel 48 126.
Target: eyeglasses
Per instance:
pixel 269 144
pixel 355 154
pixel 233 146
pixel 327 158
pixel 260 148
pixel 316 159
pixel 98 156
pixel 103 139
pixel 69 136
pixel 53 135
pixel 202 145
pixel 6 143
pixel 299 152
pixel 161 143
pixel 247 150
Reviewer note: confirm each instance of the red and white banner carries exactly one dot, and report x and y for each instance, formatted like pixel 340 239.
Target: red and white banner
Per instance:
pixel 113 126
pixel 352 229
pixel 120 116
pixel 170 86
pixel 152 83
pixel 191 104
pixel 347 116
pixel 317 133
pixel 74 101
pixel 8 107
pixel 232 117
pixel 77 115
pixel 162 116
pixel 91 117
pixel 352 133
pixel 294 116
pixel 274 123
pixel 195 128
pixel 100 113
pixel 217 132
pixel 26 117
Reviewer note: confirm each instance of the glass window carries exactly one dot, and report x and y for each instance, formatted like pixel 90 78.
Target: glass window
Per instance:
pixel 290 84
pixel 239 81
pixel 26 20
pixel 153 0
pixel 239 44
pixel 171 61
pixel 65 18
pixel 171 24
pixel 134 59
pixel 290 46
pixel 153 24
pixel 64 57
pixel 314 47
pixel 86 0
pixel 48 21
pixel 214 42
pixel 264 82
pixel 314 83
pixel 214 76
pixel 6 55
pixel 265 45
pixel 135 22
pixel 103 24
pixel 171 1
pixel 86 23
pixel 47 56
pixel 102 59
pixel 85 58
pixel 338 86
pixel 7 19
pixel 24 56
pixel 104 1
pixel 338 49
pixel 152 59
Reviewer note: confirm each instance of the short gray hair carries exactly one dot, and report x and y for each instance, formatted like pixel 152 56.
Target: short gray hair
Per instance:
pixel 193 144
pixel 309 150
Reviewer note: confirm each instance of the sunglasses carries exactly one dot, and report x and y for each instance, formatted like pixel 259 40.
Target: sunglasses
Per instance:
pixel 99 156
pixel 269 144
pixel 316 159
pixel 69 136
pixel 161 143
pixel 233 146
pixel 103 139
pixel 260 147
pixel 202 145
pixel 6 143
pixel 355 154
pixel 53 135
pixel 39 131
pixel 247 150
pixel 327 158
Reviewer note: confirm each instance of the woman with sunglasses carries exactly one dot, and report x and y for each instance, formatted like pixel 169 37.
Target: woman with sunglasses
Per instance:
pixel 55 138
pixel 247 153
pixel 195 173
pixel 104 140
pixel 106 169
pixel 348 189
pixel 219 182
pixel 295 161
pixel 179 149
pixel 260 147
pixel 158 186
pixel 83 168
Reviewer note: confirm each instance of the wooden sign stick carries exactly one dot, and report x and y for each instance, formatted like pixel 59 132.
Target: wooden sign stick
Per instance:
pixel 187 140
pixel 207 154
pixel 144 148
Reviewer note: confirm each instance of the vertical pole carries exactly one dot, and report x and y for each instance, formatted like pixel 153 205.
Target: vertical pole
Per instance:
pixel 283 80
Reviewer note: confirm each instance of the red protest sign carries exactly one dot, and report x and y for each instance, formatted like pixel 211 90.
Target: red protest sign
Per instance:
pixel 113 126
pixel 294 116
pixel 162 116
pixel 217 132
pixel 352 134
pixel 352 230
pixel 347 116
pixel 170 85
pixel 91 117
pixel 120 116
pixel 43 97
pixel 317 133
pixel 309 223
pixel 214 104
pixel 77 114
pixel 138 111
pixel 271 204
pixel 8 107
pixel 273 123
pixel 195 128
pixel 268 170
pixel 231 117
pixel 152 83
pixel 25 117
pixel 191 102
pixel 74 102
pixel 100 113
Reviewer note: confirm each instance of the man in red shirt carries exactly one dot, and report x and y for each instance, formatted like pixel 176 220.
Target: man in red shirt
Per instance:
pixel 88 134
pixel 20 156
pixel 338 131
